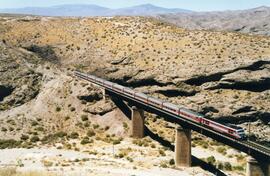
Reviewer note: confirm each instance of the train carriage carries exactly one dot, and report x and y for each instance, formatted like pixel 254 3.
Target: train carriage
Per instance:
pixel 129 92
pixel 171 108
pixel 227 129
pixel 108 84
pixel 190 115
pixel 141 96
pixel 155 102
pixel 118 88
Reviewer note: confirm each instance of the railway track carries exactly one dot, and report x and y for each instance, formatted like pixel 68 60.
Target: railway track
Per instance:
pixel 249 147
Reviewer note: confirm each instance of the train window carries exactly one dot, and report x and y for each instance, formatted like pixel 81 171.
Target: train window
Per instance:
pixel 231 131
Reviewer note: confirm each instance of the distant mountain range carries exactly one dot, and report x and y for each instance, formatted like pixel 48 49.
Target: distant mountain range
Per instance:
pixel 93 10
pixel 252 21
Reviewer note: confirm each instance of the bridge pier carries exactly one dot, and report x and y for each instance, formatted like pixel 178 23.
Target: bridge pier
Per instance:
pixel 254 168
pixel 137 117
pixel 104 94
pixel 182 147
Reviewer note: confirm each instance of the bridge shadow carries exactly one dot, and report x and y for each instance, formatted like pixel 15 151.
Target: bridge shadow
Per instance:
pixel 195 161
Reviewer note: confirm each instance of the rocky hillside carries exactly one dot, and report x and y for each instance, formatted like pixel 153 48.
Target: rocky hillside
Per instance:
pixel 223 75
pixel 252 21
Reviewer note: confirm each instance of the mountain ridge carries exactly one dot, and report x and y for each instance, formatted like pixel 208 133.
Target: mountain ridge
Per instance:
pixel 93 10
pixel 250 21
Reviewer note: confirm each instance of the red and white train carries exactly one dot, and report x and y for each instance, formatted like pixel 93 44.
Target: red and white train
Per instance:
pixel 230 130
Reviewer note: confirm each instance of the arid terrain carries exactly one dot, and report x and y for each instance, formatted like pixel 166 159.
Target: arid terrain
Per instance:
pixel 59 123
pixel 250 21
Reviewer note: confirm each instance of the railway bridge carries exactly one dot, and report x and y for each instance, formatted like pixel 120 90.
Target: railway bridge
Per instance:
pixel 258 164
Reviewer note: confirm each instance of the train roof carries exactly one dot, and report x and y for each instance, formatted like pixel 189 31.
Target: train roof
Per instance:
pixel 192 112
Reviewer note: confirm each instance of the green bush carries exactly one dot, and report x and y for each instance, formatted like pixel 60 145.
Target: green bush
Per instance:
pixel 9 143
pixel 220 166
pixel 116 141
pixel 60 134
pixel 161 152
pixel 238 168
pixel 125 125
pixel 107 128
pixel 72 109
pixel 171 162
pixel 86 141
pixel 84 117
pixel 34 139
pixel 57 109
pixel 24 137
pixel 227 166
pixel 74 135
pixel 91 133
pixel 222 150
pixel 95 126
pixel 211 160
pixel 3 129
pixel 34 123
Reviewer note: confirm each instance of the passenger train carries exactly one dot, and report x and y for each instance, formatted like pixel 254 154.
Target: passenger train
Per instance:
pixel 227 129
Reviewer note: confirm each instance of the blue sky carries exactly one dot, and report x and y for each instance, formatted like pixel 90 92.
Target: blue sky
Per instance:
pixel 197 5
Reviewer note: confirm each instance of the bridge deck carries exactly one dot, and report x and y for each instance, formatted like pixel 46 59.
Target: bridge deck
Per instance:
pixel 261 153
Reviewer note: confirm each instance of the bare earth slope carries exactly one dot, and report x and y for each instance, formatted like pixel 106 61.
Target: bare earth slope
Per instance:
pixel 224 75
pixel 252 21
pixel 220 74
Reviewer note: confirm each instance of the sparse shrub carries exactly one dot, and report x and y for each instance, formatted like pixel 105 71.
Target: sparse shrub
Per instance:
pixel 60 134
pixel 130 159
pixel 39 129
pixel 84 117
pixel 107 128
pixel 117 141
pixel 86 141
pixel 72 109
pixel 95 126
pixel 3 129
pixel 227 166
pixel 34 139
pixel 58 109
pixel 67 118
pixel 220 166
pixel 91 133
pixel 171 162
pixel 86 124
pixel 211 160
pixel 34 123
pixel 74 135
pixel 222 150
pixel 125 125
pixel 9 143
pixel 238 168
pixel 24 137
pixel 161 152
pixel 163 165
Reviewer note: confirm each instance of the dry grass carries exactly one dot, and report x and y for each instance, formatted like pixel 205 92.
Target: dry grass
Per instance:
pixel 13 172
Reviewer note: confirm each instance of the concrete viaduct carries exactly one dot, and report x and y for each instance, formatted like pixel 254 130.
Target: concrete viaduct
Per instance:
pixel 258 164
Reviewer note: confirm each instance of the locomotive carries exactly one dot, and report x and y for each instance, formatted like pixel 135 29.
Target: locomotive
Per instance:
pixel 227 129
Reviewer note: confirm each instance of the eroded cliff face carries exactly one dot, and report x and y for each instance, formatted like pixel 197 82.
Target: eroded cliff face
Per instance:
pixel 223 75
pixel 19 82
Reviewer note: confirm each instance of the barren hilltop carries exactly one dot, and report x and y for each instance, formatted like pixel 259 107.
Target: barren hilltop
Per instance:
pixel 222 75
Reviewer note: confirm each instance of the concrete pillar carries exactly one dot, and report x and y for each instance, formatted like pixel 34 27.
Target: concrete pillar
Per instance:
pixel 182 147
pixel 256 169
pixel 137 117
pixel 104 94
